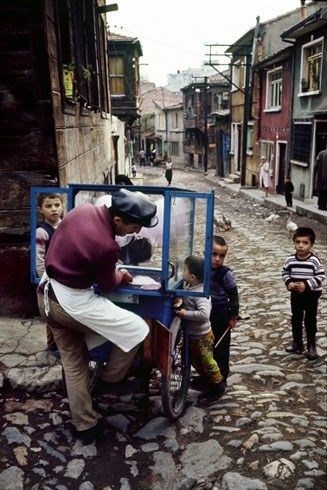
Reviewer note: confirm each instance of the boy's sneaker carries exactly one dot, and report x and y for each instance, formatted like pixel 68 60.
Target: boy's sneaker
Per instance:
pixel 295 349
pixel 199 384
pixel 213 393
pixel 311 354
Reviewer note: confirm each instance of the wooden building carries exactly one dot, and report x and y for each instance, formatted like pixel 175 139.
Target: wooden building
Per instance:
pixel 54 119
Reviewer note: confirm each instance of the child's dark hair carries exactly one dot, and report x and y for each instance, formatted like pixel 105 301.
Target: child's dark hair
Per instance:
pixel 219 240
pixel 305 231
pixel 195 266
pixel 52 195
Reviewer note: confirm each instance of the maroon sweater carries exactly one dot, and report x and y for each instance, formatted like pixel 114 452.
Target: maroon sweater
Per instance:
pixel 83 251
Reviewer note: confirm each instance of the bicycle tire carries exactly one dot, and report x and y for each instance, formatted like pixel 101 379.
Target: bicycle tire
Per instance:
pixel 174 386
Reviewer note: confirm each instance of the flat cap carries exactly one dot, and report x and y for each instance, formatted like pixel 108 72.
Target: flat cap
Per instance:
pixel 135 207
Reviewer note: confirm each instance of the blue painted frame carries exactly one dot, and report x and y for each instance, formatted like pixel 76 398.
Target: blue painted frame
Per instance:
pixel 169 194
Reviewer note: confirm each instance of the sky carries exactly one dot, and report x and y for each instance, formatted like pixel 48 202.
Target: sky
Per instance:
pixel 173 33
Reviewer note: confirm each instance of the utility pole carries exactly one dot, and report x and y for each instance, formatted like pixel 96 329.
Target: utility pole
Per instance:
pixel 205 117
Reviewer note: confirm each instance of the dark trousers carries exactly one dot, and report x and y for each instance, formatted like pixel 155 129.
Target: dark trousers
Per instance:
pixel 219 324
pixel 288 198
pixel 304 309
pixel 322 200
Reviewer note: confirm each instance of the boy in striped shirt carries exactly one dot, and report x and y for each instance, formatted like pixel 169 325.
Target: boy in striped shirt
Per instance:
pixel 303 276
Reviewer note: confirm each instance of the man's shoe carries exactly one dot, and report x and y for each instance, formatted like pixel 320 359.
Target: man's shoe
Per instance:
pixel 213 393
pixel 88 436
pixel 295 349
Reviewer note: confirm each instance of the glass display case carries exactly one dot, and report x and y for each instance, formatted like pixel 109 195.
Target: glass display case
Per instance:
pixel 156 255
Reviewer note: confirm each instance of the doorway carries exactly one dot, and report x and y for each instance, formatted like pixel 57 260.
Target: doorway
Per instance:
pixel 281 165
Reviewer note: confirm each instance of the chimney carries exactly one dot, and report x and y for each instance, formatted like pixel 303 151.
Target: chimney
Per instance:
pixel 302 10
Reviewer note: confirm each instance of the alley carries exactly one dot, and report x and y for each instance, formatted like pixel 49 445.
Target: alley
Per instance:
pixel 268 431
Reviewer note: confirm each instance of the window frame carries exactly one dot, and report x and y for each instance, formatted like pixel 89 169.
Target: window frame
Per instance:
pixel 308 83
pixel 274 89
pixel 117 77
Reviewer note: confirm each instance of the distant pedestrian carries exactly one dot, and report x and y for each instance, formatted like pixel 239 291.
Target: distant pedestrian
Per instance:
pixel 288 192
pixel 196 310
pixel 264 176
pixel 169 170
pixel 142 157
pixel 133 170
pixel 303 276
pixel 225 304
pixel 320 179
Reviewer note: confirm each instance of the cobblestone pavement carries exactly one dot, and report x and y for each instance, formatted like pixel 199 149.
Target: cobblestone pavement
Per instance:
pixel 268 431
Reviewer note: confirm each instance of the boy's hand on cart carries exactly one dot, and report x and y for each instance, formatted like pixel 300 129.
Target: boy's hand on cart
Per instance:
pixel 126 276
pixel 180 313
pixel 232 322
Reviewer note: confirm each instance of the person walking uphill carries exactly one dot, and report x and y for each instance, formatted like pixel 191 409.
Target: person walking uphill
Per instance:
pixel 303 276
pixel 320 179
pixel 169 171
pixel 83 252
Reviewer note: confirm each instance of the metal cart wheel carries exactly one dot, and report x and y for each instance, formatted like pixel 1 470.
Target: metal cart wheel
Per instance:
pixel 174 386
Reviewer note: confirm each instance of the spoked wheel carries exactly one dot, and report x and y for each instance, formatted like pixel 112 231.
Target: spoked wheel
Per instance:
pixel 94 368
pixel 174 385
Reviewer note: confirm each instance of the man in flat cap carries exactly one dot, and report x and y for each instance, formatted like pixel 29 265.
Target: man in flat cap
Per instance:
pixel 83 252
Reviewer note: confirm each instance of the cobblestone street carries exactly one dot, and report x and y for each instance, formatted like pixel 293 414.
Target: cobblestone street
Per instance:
pixel 268 431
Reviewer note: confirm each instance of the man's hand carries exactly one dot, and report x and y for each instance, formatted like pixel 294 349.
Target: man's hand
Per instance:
pixel 126 276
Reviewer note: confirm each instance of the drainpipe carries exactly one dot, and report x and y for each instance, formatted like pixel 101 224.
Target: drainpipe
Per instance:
pixel 205 124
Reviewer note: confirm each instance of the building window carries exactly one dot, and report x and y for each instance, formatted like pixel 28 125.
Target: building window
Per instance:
pixel 117 75
pixel 311 66
pixel 267 150
pixel 301 142
pixel 249 139
pixel 174 148
pixel 161 122
pixel 233 142
pixel 236 69
pixel 175 120
pixel 274 89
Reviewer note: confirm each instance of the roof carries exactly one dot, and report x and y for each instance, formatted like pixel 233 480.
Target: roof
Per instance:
pixel 313 22
pixel 277 57
pixel 114 38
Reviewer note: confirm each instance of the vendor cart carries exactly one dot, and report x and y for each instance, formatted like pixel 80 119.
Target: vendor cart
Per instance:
pixel 184 228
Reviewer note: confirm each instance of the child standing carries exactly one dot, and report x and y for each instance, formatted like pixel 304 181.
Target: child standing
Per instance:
pixel 288 192
pixel 133 169
pixel 51 207
pixel 196 310
pixel 225 303
pixel 303 276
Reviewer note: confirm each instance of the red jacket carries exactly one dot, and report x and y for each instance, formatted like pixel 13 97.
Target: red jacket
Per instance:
pixel 83 250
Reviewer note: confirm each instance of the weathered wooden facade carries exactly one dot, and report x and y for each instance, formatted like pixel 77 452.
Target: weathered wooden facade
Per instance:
pixel 124 79
pixel 206 124
pixel 54 118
